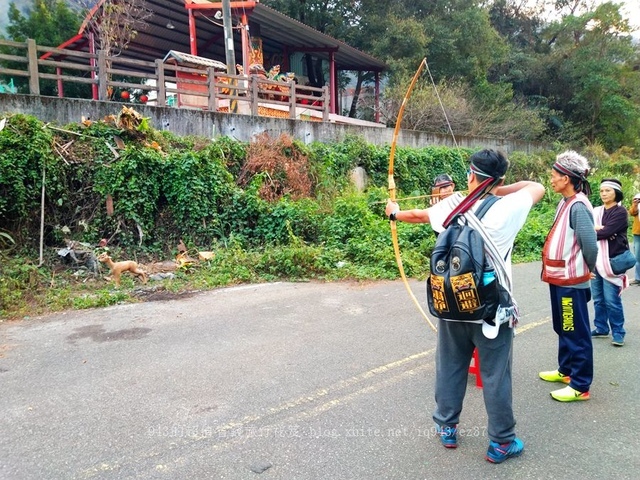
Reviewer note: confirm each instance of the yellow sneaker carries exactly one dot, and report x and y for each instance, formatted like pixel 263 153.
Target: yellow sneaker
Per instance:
pixel 568 394
pixel 554 376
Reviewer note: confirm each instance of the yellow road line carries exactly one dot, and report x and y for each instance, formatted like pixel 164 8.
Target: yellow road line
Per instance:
pixel 323 392
pixel 311 406
pixel 529 326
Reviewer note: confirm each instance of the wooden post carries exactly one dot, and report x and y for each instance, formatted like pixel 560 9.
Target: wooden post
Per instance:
pixel 377 90
pixel 102 76
pixel 161 99
pixel 325 103
pixel 292 99
pixel 233 102
pixel 253 88
pixel 42 198
pixel 60 84
pixel 32 58
pixel 292 96
pixel 211 84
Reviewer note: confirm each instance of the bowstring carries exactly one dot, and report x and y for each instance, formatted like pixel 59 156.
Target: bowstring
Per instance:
pixel 444 111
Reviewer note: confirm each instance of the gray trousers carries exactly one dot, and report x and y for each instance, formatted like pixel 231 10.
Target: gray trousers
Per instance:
pixel 456 342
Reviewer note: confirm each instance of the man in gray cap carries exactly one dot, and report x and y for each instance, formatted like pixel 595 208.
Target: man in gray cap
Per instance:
pixel 443 187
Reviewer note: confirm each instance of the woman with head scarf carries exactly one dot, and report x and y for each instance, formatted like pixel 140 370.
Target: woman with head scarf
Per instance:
pixel 568 258
pixel 611 224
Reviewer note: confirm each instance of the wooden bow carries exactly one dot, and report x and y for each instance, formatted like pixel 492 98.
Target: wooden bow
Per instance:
pixel 392 193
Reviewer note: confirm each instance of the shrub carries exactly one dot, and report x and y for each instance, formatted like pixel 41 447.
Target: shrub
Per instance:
pixel 272 210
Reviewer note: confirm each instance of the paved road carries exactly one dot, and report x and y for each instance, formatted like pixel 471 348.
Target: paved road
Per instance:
pixel 292 381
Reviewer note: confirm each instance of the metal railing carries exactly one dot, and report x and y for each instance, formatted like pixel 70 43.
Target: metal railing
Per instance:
pixel 161 82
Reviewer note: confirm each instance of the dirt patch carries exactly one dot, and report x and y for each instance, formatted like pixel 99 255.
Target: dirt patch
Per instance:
pixel 97 333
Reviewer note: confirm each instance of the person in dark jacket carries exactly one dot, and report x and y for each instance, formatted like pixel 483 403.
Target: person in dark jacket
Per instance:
pixel 611 225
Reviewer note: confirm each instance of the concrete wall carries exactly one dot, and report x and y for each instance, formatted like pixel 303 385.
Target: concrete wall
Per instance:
pixel 183 121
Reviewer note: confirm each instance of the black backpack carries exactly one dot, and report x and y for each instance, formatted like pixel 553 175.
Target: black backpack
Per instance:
pixel 463 285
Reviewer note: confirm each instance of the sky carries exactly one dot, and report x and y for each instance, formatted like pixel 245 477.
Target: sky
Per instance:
pixel 632 10
pixel 4 13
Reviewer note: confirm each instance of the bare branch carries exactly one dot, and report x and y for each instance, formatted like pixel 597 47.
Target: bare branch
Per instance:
pixel 117 23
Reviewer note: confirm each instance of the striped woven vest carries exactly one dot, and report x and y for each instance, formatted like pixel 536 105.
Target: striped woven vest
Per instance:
pixel 562 260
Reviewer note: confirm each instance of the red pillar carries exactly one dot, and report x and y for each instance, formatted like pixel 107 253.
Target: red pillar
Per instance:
pixel 193 43
pixel 377 100
pixel 93 63
pixel 244 35
pixel 334 84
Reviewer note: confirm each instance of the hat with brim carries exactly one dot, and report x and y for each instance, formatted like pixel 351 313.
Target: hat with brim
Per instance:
pixel 637 195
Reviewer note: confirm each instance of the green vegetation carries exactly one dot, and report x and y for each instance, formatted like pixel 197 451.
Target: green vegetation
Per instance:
pixel 537 70
pixel 49 23
pixel 274 209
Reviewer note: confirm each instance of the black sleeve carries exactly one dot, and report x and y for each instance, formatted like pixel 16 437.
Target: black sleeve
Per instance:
pixel 617 223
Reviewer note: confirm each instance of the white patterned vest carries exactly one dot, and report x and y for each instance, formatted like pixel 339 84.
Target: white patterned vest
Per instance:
pixel 562 260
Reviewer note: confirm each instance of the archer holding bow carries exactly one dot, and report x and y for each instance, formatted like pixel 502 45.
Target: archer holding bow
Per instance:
pixel 458 339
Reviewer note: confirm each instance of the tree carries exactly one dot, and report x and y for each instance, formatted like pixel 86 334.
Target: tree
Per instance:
pixel 48 22
pixel 592 76
pixel 517 23
pixel 117 23
pixel 114 25
pixel 579 71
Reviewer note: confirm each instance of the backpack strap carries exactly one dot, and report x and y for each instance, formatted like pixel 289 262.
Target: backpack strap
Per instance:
pixel 490 248
pixel 486 205
pixel 467 202
pixel 489 200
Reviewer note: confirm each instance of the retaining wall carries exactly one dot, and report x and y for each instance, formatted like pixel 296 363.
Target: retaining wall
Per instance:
pixel 184 121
